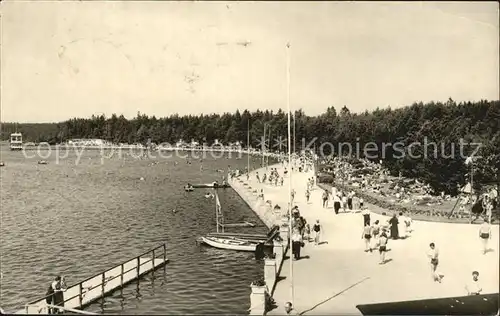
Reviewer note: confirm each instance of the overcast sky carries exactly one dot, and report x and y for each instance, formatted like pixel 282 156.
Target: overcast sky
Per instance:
pixel 65 59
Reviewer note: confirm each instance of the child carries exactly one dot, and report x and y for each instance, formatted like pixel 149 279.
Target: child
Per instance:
pixel 307 233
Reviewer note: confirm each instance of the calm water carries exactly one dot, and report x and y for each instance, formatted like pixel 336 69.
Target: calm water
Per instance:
pixel 78 220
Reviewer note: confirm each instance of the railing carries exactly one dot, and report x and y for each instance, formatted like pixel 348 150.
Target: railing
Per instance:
pixel 98 286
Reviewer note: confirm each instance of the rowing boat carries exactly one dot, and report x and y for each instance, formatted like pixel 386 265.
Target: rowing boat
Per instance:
pixel 229 244
pixel 210 186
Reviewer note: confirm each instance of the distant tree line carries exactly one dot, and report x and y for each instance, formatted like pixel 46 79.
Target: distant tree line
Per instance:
pixel 443 123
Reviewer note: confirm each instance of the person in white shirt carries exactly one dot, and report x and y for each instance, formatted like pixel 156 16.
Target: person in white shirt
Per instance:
pixel 336 203
pixel 473 287
pixel 433 254
pixel 344 202
pixel 402 226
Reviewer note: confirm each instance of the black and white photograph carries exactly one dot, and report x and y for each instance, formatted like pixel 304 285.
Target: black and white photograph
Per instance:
pixel 249 157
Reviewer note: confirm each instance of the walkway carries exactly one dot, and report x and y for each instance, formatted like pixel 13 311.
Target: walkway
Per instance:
pixel 337 276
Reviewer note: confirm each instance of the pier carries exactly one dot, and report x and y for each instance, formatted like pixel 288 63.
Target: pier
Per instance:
pixel 82 294
pixel 337 276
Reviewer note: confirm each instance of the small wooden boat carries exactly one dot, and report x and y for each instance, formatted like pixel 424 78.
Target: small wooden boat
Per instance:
pixel 2 164
pixel 188 188
pixel 42 162
pixel 210 186
pixel 229 244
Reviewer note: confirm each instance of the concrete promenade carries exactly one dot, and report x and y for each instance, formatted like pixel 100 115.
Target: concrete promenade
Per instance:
pixel 336 276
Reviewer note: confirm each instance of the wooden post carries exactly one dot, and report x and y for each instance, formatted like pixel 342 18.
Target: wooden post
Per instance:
pixel 138 266
pixel 164 258
pixel 80 289
pixel 153 263
pixel 121 276
pixel 103 284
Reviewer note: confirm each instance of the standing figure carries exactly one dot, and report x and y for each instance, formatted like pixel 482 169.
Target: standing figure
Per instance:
pixel 336 203
pixel 58 286
pixel 383 246
pixel 485 235
pixel 366 235
pixel 394 227
pixel 325 199
pixel 433 254
pixel 376 234
pixel 308 195
pixel 344 202
pixel 402 226
pixel 296 243
pixel 349 200
pixel 317 232
pixel 307 233
pixel 366 217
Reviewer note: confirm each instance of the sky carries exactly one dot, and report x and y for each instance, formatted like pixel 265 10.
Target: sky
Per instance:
pixel 78 58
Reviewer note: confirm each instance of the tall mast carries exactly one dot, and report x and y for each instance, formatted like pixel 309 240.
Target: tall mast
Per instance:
pixel 248 145
pixel 216 211
pixel 289 163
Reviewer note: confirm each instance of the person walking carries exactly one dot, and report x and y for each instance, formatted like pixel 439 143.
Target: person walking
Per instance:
pixel 336 203
pixel 402 226
pixel 485 235
pixel 376 234
pixel 366 235
pixel 325 199
pixel 297 243
pixel 317 232
pixel 382 248
pixel 349 200
pixel 308 195
pixel 394 227
pixel 366 217
pixel 344 202
pixel 433 255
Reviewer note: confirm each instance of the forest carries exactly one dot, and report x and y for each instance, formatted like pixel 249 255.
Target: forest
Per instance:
pixel 445 123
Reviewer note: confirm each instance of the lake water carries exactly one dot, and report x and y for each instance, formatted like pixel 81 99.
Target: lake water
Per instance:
pixel 80 219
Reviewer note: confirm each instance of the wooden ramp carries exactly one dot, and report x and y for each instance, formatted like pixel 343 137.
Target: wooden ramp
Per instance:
pixel 88 291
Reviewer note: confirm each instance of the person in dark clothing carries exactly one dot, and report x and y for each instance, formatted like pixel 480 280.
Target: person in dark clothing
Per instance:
pixel 366 217
pixel 297 243
pixel 58 287
pixel 394 227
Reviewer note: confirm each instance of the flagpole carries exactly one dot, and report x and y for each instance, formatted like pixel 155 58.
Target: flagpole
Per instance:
pixel 289 166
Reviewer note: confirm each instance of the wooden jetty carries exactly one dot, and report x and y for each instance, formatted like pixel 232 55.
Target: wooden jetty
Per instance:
pixel 96 287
